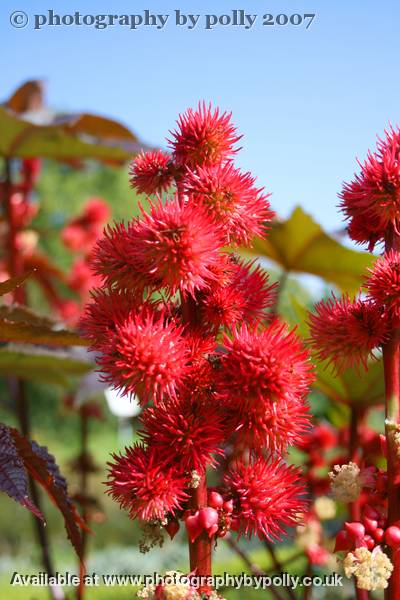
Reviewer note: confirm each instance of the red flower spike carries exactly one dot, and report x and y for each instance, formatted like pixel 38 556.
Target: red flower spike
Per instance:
pixel 112 259
pixel 372 200
pixel 108 309
pixel 151 172
pixel 203 137
pixel 267 497
pixel 211 395
pixel 187 433
pixel 383 285
pixel 245 297
pixel 231 199
pixel 142 487
pixel 264 377
pixel 176 246
pixel 147 356
pixel 346 332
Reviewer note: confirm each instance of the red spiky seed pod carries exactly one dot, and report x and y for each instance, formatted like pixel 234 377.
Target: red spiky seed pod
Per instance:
pixel 151 172
pixel 147 356
pixel 372 199
pixel 143 487
pixel 267 497
pixel 383 284
pixel 176 246
pixel 231 199
pixel 188 433
pixel 345 332
pixel 203 137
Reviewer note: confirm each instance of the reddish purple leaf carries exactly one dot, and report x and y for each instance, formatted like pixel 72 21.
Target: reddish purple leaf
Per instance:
pixel 13 476
pixel 41 465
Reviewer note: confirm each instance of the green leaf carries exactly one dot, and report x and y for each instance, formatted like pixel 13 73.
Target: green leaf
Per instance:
pixel 40 364
pixel 33 334
pixel 77 137
pixel 301 245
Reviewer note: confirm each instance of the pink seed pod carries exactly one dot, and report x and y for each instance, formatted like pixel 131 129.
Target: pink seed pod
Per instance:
pixel 193 527
pixel 215 500
pixel 208 517
pixel 370 524
pixel 355 530
pixel 392 536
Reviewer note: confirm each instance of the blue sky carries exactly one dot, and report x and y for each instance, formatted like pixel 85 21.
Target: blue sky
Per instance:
pixel 307 101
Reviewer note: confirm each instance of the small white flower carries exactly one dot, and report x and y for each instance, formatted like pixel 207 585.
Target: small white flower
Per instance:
pixel 371 569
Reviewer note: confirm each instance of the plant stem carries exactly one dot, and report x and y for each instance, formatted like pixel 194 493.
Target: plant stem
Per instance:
pixel 391 358
pixel 278 567
pixel 308 590
pixel 253 568
pixel 19 393
pixel 200 550
pixel 18 389
pixel 355 418
pixel 84 422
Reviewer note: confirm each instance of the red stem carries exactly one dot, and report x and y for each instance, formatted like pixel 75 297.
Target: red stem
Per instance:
pixel 356 416
pixel 200 551
pixel 391 358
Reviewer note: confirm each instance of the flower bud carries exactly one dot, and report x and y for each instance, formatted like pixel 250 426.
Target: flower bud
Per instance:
pixel 370 524
pixel 215 500
pixel 208 517
pixel 228 506
pixel 355 530
pixel 342 541
pixel 193 527
pixel 378 535
pixel 392 536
